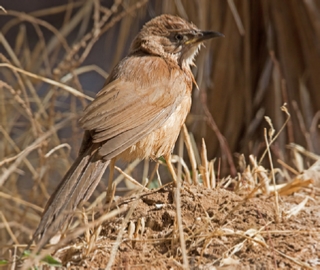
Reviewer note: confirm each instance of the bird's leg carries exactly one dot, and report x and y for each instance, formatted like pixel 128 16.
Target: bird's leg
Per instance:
pixel 170 167
pixel 111 187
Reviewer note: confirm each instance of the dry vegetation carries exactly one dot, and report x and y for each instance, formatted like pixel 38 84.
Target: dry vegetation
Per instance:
pixel 258 209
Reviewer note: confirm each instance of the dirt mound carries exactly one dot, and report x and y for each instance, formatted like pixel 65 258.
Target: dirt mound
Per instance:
pixel 221 230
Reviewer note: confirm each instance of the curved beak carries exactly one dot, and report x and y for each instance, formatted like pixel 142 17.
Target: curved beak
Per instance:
pixel 202 36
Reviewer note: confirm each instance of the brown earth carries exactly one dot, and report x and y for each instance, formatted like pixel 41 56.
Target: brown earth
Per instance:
pixel 222 230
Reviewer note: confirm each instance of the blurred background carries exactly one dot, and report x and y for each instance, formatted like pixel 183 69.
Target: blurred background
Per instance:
pixel 270 56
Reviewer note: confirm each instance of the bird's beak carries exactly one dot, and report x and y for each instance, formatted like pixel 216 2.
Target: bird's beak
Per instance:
pixel 203 35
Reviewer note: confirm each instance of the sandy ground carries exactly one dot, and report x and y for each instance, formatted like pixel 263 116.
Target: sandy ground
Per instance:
pixel 221 229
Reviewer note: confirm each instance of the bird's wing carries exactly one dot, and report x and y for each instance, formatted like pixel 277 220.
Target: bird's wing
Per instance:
pixel 133 105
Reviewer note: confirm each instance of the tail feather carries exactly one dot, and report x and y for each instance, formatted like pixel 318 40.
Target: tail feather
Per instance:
pixel 77 185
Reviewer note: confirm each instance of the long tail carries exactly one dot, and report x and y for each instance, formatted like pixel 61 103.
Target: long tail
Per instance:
pixel 77 185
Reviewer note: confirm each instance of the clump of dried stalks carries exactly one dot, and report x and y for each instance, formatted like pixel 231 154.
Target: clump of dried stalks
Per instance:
pixel 267 58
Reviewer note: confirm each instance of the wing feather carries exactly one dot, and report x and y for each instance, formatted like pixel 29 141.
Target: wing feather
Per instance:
pixel 132 105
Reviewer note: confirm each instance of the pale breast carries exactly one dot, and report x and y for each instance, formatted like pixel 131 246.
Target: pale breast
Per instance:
pixel 161 141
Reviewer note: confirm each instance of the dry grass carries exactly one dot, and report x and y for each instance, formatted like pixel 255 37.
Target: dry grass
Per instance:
pixel 270 56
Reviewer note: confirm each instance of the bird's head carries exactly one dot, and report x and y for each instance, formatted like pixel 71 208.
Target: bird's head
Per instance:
pixel 171 37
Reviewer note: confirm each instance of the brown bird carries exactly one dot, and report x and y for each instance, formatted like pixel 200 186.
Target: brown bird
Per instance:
pixel 138 113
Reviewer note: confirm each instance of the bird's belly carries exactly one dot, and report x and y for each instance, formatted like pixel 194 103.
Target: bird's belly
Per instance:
pixel 161 141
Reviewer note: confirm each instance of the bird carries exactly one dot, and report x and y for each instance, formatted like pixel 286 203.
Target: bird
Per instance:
pixel 138 114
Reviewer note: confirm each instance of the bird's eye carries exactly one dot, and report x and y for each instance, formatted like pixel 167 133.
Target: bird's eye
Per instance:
pixel 178 37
